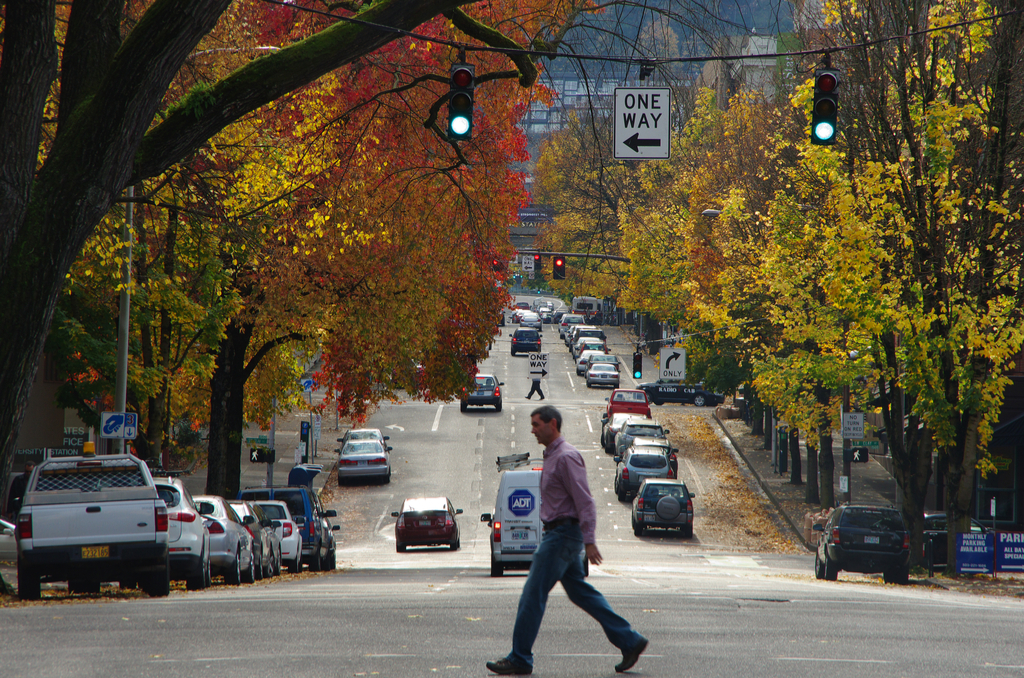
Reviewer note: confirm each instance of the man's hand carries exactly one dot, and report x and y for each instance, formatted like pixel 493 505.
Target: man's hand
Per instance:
pixel 593 555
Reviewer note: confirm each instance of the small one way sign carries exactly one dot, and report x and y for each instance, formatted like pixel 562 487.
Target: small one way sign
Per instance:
pixel 642 123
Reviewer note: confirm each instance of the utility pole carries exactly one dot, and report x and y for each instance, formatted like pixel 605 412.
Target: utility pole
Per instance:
pixel 123 326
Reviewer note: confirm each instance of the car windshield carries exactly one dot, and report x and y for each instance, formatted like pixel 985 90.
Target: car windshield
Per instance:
pixel 293 500
pixel 363 435
pixel 629 397
pixel 658 490
pixel 872 519
pixel 640 430
pixel 431 504
pixel 484 382
pixel 274 511
pixel 361 447
pixel 604 358
pixel 603 367
pixel 648 461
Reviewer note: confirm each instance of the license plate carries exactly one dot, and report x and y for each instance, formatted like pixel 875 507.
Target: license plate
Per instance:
pixel 362 462
pixel 870 540
pixel 520 535
pixel 95 552
pixel 424 523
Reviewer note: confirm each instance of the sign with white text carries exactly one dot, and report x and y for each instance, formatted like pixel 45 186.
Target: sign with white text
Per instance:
pixel 539 364
pixel 853 425
pixel 672 363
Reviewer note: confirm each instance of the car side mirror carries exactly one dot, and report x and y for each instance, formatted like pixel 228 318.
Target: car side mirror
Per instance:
pixel 335 528
pixel 617 460
pixel 675 450
pixel 501 383
pixel 387 437
pixel 395 514
pixel 665 431
pixel 330 513
pixel 341 440
pixel 458 511
pixel 248 520
pixel 485 517
pixel 275 524
pixel 390 448
pixel 606 400
pixel 818 528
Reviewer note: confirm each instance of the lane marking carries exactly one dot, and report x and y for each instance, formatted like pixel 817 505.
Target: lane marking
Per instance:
pixel 841 661
pixel 590 427
pixel 437 417
pixel 693 474
pixel 571 385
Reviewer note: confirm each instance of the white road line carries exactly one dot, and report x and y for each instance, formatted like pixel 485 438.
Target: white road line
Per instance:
pixel 590 427
pixel 825 659
pixel 571 385
pixel 437 417
pixel 385 514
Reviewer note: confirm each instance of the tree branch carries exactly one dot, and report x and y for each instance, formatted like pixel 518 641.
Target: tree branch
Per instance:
pixel 489 36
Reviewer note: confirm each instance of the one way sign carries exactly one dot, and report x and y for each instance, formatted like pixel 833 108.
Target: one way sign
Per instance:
pixel 642 123
pixel 539 364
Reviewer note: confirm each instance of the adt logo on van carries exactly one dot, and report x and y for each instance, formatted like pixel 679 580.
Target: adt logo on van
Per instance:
pixel 520 503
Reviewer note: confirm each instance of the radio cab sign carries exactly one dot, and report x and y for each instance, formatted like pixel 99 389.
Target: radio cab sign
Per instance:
pixel 521 502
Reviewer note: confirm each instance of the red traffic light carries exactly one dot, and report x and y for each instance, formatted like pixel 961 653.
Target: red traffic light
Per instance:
pixel 462 77
pixel 826 82
pixel 559 262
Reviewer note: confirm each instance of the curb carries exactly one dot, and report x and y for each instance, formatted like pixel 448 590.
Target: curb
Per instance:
pixel 764 486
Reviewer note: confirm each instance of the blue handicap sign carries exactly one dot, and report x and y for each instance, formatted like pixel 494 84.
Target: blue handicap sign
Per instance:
pixel 113 424
pixel 974 553
pixel 521 503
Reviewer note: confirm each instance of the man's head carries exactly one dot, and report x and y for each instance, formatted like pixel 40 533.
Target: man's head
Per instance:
pixel 546 424
pixel 29 465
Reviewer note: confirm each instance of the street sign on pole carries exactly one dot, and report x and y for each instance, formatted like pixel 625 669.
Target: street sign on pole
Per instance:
pixel 853 425
pixel 527 263
pixel 673 364
pixel 119 425
pixel 539 364
pixel 642 117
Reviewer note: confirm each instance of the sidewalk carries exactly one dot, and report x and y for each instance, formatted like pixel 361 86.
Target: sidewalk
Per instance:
pixel 870 484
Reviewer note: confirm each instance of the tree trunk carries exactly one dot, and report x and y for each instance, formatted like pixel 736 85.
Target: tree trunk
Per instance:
pixel 960 480
pixel 756 413
pixel 826 462
pixel 811 491
pixel 227 418
pixel 794 452
pixel 769 430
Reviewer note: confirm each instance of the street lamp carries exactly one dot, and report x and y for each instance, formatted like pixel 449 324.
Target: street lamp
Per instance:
pixel 711 213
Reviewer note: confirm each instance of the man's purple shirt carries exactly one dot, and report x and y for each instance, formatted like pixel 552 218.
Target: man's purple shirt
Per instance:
pixel 564 490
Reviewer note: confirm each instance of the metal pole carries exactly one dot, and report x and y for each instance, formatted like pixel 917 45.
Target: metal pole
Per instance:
pixel 121 382
pixel 272 441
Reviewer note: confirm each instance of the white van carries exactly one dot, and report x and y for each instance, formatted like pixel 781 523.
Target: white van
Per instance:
pixel 516 528
pixel 515 525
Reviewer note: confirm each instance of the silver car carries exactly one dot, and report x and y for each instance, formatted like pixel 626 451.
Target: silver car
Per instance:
pixel 288 532
pixel 636 466
pixel 603 374
pixel 188 540
pixel 266 542
pixel 637 427
pixel 530 319
pixel 365 434
pixel 230 542
pixel 364 459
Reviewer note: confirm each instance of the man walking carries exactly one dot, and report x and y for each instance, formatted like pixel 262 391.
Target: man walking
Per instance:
pixel 535 388
pixel 569 515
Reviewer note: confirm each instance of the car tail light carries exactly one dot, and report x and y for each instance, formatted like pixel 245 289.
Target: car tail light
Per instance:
pixel 639 503
pixel 377 460
pixel 182 516
pixel 625 474
pixel 835 535
pixel 448 522
pixel 161 518
pixel 906 541
pixel 25 526
pixel 689 505
pixel 347 462
pixel 497 530
pixel 215 528
pixel 286 528
pixel 497 391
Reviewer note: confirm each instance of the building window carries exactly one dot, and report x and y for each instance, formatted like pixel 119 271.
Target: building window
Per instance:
pixel 1001 486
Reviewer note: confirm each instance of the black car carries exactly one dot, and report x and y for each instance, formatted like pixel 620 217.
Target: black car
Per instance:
pixel 867 539
pixel 690 394
pixel 524 340
pixel 935 531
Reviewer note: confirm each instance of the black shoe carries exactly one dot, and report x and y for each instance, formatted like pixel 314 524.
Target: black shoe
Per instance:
pixel 504 667
pixel 527 397
pixel 542 397
pixel 630 658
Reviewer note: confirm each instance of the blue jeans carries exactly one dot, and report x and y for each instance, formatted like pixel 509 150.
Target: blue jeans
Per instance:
pixel 559 559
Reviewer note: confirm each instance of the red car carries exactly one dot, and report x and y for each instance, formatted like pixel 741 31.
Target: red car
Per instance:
pixel 632 401
pixel 426 521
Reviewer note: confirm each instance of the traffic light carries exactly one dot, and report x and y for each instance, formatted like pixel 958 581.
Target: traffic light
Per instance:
pixel 537 263
pixel 825 109
pixel 854 455
pixel 638 365
pixel 496 265
pixel 460 102
pixel 558 269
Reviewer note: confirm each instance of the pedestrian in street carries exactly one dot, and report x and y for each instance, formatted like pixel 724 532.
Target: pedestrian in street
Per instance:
pixel 535 388
pixel 569 514
pixel 17 493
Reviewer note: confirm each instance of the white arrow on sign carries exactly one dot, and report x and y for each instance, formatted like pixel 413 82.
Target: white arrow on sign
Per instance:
pixel 642 116
pixel 394 427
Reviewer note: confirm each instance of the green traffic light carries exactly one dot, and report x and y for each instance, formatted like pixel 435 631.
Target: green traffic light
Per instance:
pixel 824 131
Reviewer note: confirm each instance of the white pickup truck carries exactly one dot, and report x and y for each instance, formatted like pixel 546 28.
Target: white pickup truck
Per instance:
pixel 92 519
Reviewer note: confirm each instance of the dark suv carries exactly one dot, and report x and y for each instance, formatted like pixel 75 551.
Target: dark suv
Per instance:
pixel 866 539
pixel 525 340
pixel 318 545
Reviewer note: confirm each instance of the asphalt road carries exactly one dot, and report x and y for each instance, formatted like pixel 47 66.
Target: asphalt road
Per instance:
pixel 435 612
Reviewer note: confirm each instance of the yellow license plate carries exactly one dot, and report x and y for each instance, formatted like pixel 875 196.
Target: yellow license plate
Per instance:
pixel 95 552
